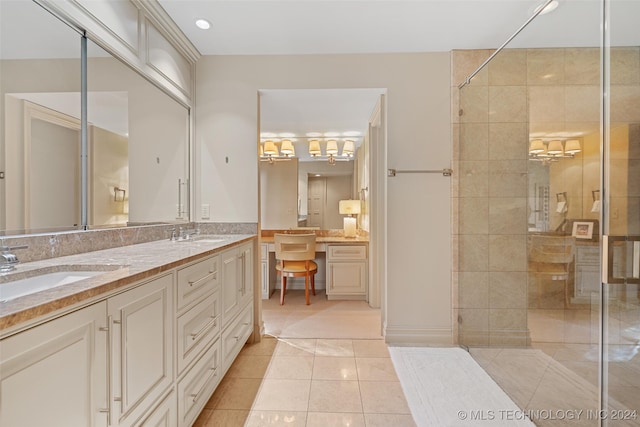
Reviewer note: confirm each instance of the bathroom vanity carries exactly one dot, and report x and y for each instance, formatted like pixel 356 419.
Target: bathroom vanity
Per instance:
pixel 342 266
pixel 143 343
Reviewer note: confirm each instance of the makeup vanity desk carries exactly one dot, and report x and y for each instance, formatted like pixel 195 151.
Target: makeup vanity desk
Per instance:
pixel 343 265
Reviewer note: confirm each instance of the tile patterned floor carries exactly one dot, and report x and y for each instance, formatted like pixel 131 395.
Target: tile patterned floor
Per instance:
pixel 334 369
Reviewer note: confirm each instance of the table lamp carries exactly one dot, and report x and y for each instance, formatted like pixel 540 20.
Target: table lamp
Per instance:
pixel 350 208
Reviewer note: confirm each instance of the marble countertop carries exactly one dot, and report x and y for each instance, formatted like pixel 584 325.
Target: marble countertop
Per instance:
pixel 122 267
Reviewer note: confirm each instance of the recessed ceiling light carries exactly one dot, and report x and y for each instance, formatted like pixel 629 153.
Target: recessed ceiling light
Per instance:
pixel 548 8
pixel 203 24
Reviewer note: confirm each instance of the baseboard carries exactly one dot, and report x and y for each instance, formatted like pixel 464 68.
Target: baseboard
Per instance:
pixel 418 336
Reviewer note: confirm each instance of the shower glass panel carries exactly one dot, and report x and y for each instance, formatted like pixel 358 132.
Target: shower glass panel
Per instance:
pixel 528 201
pixel 621 370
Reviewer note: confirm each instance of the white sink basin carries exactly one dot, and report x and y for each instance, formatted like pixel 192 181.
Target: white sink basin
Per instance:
pixel 44 280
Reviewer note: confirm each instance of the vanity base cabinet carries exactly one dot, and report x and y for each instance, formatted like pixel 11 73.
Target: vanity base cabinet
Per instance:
pixel 55 374
pixel 347 272
pixel 235 336
pixel 141 348
pixel 197 386
pixel 164 415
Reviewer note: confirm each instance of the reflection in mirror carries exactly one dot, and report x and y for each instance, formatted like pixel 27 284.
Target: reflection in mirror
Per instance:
pixel 313 153
pixel 37 138
pixel 137 135
pixel 138 147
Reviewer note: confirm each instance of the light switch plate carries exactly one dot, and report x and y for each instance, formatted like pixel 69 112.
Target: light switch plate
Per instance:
pixel 205 212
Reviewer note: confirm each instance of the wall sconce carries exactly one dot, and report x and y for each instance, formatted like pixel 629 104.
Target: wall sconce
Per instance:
pixel 555 147
pixel 332 151
pixel 536 147
pixel 270 148
pixel 553 150
pixel 350 208
pixel 119 194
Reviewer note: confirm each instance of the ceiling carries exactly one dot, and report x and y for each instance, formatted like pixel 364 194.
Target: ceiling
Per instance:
pixel 302 27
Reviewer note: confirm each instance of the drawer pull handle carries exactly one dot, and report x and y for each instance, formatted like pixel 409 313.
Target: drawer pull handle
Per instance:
pixel 207 325
pixel 196 396
pixel 211 275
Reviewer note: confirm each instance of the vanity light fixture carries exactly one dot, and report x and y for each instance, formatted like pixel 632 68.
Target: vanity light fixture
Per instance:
pixel 555 147
pixel 314 148
pixel 536 147
pixel 572 146
pixel 270 148
pixel 287 149
pixel 332 151
pixel 203 24
pixel 348 148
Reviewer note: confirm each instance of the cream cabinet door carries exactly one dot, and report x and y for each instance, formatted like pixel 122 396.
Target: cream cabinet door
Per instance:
pixel 229 261
pixel 141 348
pixel 55 374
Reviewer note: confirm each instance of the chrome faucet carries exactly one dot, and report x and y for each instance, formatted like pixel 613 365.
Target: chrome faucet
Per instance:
pixel 186 234
pixel 8 261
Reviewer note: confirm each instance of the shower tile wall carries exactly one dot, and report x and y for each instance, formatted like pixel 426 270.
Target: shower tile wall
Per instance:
pixel 519 89
pixel 490 158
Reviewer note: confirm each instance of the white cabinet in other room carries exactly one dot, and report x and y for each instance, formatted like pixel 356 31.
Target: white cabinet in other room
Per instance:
pixel 55 374
pixel 141 320
pixel 264 271
pixel 587 273
pixel 346 271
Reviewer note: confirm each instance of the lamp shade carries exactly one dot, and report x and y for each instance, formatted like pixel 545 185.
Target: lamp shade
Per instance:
pixel 349 207
pixel 314 148
pixel 572 146
pixel 287 148
pixel 270 148
pixel 536 146
pixel 332 147
pixel 348 148
pixel 555 147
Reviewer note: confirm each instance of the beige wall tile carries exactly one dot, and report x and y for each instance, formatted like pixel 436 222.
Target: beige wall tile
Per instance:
pixel 546 104
pixel 507 178
pixel 625 66
pixel 474 319
pixel 474 289
pixel 582 103
pixel 625 102
pixel 508 68
pixel 508 141
pixel 474 179
pixel 474 104
pixel 474 215
pixel 474 253
pixel 465 62
pixel 507 318
pixel 582 66
pixel 507 215
pixel 508 290
pixel 507 253
pixel 474 141
pixel 545 66
pixel 507 104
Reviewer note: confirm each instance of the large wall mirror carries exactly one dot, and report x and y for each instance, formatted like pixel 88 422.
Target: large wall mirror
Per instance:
pixel 314 152
pixel 137 135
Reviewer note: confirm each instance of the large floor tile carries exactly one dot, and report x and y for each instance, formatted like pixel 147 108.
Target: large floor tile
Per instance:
pixel 335 368
pixel 376 369
pixel 335 396
pixel 335 419
pixel 291 367
pixel 283 395
pixel 276 419
pixel 383 397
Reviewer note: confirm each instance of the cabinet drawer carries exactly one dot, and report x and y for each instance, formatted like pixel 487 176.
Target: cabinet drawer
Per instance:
pixel 588 254
pixel 197 327
pixel 346 252
pixel 195 389
pixel 235 336
pixel 164 415
pixel 196 280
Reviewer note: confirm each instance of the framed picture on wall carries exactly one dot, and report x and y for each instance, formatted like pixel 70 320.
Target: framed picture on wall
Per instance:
pixel 582 230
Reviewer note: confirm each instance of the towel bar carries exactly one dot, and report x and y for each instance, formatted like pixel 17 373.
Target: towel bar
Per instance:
pixel 444 172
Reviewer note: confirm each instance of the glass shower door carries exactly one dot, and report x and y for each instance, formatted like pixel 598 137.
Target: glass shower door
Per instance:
pixel 621 218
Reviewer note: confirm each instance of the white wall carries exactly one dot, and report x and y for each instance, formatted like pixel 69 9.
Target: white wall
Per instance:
pixel 418 296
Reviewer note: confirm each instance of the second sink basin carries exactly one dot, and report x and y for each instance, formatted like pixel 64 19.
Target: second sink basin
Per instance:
pixel 46 278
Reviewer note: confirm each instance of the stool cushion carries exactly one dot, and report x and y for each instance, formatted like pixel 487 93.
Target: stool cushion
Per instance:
pixel 296 266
